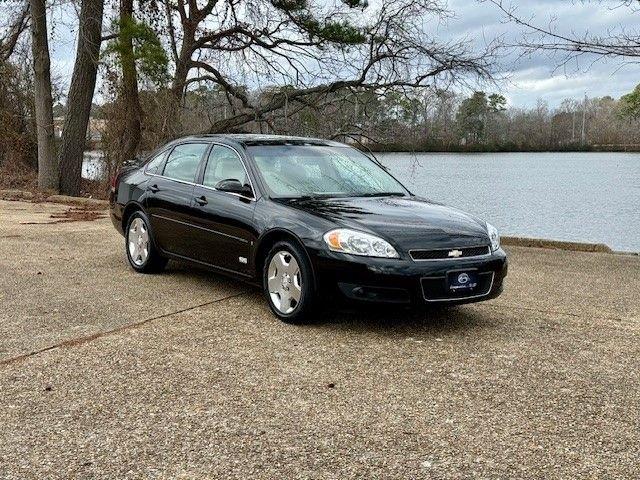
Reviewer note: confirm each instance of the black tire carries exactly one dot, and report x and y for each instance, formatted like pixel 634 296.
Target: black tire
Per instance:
pixel 304 307
pixel 153 262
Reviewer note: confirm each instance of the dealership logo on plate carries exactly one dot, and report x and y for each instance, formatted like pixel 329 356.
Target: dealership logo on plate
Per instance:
pixel 463 279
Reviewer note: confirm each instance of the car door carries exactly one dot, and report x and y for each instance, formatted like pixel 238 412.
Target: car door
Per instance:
pixel 169 197
pixel 225 219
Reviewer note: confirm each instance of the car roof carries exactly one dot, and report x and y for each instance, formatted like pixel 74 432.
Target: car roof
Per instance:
pixel 251 139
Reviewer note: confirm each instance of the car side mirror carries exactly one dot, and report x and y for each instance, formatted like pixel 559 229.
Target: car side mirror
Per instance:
pixel 233 185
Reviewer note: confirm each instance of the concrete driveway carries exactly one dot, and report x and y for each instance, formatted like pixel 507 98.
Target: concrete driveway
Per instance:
pixel 105 373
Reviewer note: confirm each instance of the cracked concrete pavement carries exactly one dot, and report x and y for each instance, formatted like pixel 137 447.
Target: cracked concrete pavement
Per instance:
pixel 105 373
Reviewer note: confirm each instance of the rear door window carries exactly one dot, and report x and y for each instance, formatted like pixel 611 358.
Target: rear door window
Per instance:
pixel 182 163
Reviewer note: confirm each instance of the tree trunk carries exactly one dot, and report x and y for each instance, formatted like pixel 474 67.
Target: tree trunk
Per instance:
pixel 183 63
pixel 48 174
pixel 173 126
pixel 83 83
pixel 129 95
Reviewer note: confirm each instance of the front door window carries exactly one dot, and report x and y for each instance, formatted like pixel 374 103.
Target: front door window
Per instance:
pixel 223 164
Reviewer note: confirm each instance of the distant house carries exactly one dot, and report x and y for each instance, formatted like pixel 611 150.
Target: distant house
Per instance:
pixel 58 122
pixel 94 130
pixel 96 127
pixel 354 139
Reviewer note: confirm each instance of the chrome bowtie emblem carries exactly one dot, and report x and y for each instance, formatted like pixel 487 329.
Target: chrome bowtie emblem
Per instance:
pixel 455 253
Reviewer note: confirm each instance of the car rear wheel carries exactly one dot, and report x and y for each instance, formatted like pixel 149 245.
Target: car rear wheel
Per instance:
pixel 288 283
pixel 141 251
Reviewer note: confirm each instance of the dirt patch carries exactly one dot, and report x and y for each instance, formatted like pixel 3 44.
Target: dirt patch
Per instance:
pixel 73 214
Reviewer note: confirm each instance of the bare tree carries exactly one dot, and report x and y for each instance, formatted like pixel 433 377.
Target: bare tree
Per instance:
pixel 129 94
pixel 48 174
pixel 309 50
pixel 80 96
pixel 128 128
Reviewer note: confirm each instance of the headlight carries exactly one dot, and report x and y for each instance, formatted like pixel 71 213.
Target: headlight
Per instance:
pixel 494 237
pixel 358 243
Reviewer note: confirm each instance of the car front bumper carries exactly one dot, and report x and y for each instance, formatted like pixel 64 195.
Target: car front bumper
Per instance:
pixel 405 281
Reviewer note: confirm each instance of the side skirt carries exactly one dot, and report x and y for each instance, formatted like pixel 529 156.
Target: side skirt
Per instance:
pixel 214 268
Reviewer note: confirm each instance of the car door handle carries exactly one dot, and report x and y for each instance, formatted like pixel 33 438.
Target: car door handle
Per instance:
pixel 154 188
pixel 201 200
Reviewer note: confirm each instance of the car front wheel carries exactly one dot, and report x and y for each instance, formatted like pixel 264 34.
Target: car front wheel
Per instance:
pixel 288 283
pixel 142 253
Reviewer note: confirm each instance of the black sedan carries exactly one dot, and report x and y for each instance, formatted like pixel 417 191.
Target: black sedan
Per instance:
pixel 305 219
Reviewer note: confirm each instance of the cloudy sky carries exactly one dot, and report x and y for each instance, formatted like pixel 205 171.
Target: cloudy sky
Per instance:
pixel 541 76
pixel 528 79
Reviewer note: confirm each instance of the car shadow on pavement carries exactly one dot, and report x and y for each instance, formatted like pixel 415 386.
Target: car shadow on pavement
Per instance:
pixel 358 318
pixel 393 321
pixel 195 274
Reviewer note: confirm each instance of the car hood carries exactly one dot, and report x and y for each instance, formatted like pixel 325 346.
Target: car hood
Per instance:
pixel 407 222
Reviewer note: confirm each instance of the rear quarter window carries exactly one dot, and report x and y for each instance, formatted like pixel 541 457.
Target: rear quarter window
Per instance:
pixel 153 165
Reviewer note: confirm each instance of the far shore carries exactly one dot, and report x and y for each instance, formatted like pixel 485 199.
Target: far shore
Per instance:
pixel 480 149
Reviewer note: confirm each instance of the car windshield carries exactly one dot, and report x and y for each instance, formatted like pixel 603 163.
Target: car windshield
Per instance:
pixel 295 171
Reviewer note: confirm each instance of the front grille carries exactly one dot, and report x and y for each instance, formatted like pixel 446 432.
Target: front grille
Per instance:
pixel 435 289
pixel 444 254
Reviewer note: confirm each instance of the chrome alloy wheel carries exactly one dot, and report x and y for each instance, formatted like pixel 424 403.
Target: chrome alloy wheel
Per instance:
pixel 284 282
pixel 138 241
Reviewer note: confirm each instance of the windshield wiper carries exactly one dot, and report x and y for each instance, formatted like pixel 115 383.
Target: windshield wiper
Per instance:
pixel 302 198
pixel 382 194
pixel 317 196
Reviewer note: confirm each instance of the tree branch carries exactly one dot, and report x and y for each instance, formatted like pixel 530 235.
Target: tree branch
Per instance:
pixel 14 31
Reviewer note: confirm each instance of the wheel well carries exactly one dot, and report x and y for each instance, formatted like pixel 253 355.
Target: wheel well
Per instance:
pixel 269 240
pixel 128 211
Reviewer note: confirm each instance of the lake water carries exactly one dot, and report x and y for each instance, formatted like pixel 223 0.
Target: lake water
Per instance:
pixel 93 165
pixel 586 196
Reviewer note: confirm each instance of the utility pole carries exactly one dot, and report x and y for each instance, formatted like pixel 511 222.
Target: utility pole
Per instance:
pixel 584 120
pixel 286 111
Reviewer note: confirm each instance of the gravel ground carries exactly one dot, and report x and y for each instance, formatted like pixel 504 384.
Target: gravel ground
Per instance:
pixel 109 374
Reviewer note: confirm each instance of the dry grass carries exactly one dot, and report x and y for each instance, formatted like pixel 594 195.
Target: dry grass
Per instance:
pixel 17 175
pixel 94 189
